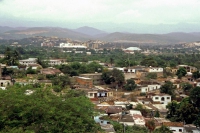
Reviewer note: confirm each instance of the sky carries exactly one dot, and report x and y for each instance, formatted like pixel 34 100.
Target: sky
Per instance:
pixel 181 15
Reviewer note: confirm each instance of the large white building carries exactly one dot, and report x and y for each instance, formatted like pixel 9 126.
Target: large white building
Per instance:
pixel 53 62
pixel 70 45
pixel 28 61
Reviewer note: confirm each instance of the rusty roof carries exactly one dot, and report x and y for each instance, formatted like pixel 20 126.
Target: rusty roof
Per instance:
pixel 173 124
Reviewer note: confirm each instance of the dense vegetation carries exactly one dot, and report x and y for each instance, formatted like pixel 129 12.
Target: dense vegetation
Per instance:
pixel 187 110
pixel 30 109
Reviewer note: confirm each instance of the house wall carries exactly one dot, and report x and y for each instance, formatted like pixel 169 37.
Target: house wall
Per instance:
pixel 110 94
pixel 176 129
pixel 155 69
pixel 92 94
pixel 150 88
pixel 54 62
pixel 166 100
pixel 128 123
pixel 28 61
pixel 131 70
pixel 5 83
pixel 154 87
pixel 102 94
pixel 177 85
pixel 96 77
pixel 87 82
pixel 119 68
pixel 198 84
pixel 144 89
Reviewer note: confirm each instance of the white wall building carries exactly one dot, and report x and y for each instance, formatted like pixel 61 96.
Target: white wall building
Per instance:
pixel 176 127
pixel 155 69
pixel 70 45
pixel 162 98
pixel 28 61
pixel 53 62
pixel 131 70
pixel 148 88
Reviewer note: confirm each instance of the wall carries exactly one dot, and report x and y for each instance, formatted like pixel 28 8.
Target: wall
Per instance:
pixel 176 129
pixel 5 83
pixel 86 82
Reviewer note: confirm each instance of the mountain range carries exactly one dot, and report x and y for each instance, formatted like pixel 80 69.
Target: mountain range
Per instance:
pixel 88 33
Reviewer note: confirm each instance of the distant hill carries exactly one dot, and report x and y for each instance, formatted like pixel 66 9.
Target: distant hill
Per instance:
pixel 44 31
pixel 89 31
pixel 6 28
pixel 152 38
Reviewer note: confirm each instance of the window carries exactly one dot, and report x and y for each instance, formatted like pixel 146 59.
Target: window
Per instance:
pixel 91 94
pixel 180 130
pixel 168 97
pixel 156 97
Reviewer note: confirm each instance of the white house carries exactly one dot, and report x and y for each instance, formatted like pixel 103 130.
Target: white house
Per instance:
pixel 162 98
pixel 92 94
pixel 155 69
pixel 120 68
pixel 198 84
pixel 148 88
pixel 5 83
pixel 53 62
pixel 175 126
pixel 28 61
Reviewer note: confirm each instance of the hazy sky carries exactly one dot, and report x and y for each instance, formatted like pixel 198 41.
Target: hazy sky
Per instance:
pixel 77 12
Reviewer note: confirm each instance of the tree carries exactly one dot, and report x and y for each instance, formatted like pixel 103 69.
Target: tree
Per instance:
pixel 61 81
pixel 187 112
pixel 186 87
pixel 162 129
pixel 172 109
pixel 151 76
pixel 118 77
pixel 130 85
pixel 44 64
pixel 195 97
pixel 143 110
pixel 106 77
pixel 181 72
pixel 168 88
pixel 43 111
pixel 115 76
pixel 120 128
pixel 149 61
pixel 196 75
pixel 111 61
pixel 94 67
pixel 150 124
pixel 30 71
pixel 157 114
pixel 11 57
pixel 197 121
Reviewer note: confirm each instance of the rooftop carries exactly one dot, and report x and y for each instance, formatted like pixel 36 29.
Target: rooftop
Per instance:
pixel 173 124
